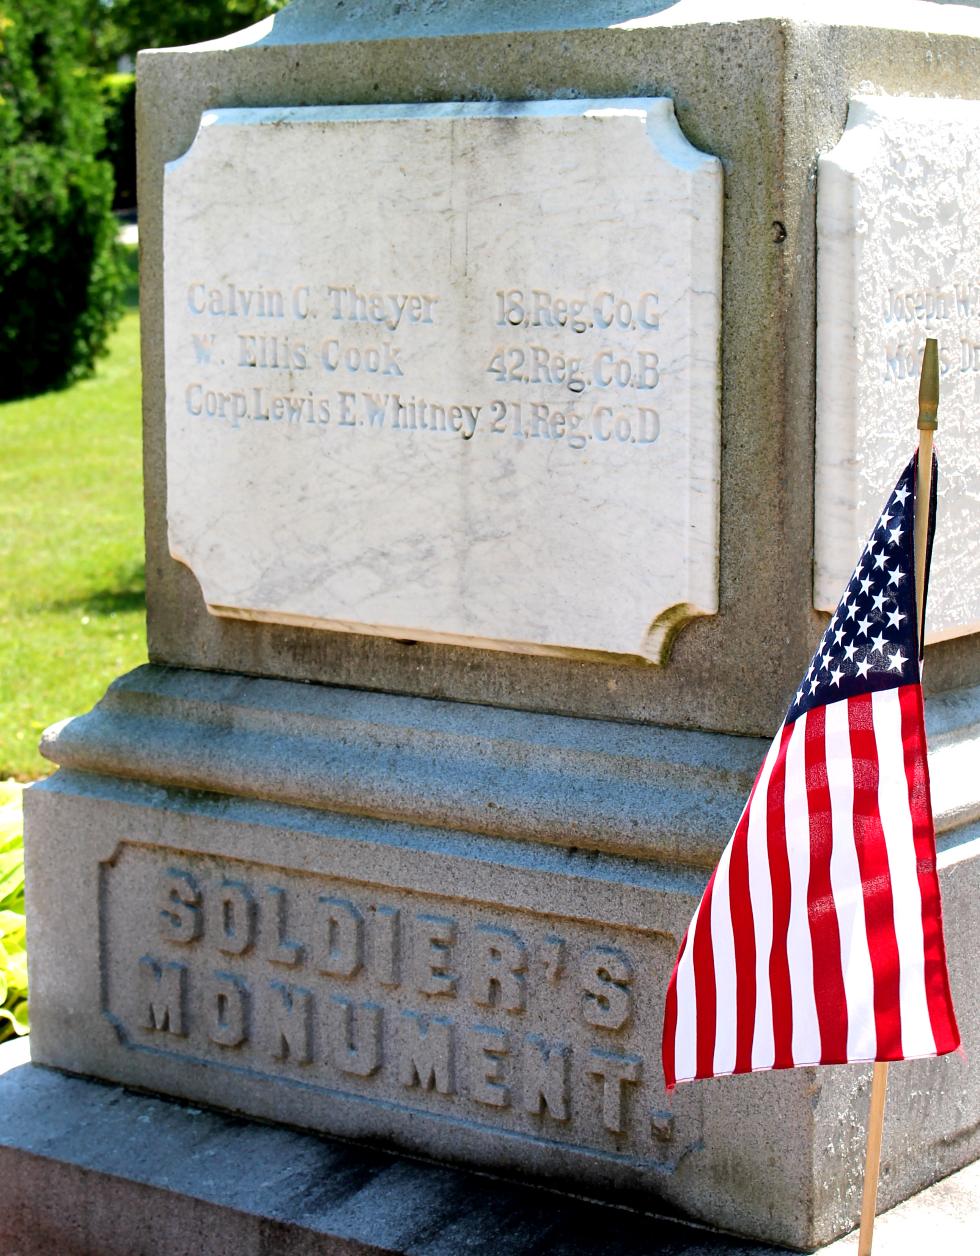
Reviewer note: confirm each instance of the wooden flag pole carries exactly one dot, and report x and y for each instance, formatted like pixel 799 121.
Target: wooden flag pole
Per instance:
pixel 927 424
pixel 876 1120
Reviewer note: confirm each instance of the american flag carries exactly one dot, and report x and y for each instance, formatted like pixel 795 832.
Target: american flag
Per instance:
pixel 819 938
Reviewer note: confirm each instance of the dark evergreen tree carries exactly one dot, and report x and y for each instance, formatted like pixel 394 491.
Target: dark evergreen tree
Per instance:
pixel 60 276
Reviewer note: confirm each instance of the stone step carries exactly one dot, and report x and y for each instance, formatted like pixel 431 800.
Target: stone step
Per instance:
pixel 89 1168
pixel 94 1169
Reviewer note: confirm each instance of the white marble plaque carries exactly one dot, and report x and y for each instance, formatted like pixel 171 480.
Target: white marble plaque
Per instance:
pixel 898 261
pixel 447 372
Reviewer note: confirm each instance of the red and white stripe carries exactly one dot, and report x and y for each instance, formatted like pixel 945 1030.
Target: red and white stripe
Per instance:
pixel 819 938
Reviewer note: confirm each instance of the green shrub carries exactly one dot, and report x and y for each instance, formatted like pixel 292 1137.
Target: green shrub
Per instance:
pixel 119 103
pixel 13 951
pixel 60 277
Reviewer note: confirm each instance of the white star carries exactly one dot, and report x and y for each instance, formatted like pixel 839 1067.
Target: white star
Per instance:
pixel 809 675
pixel 896 575
pixel 896 535
pixel 850 651
pixel 838 635
pixel 824 659
pixel 813 685
pixel 897 661
pixel 885 519
pixel 866 584
pixel 896 618
pixel 835 676
pixel 879 600
pixel 799 695
pixel 863 668
pixel 900 495
pixel 880 560
pixel 852 610
pixel 863 626
pixel 878 643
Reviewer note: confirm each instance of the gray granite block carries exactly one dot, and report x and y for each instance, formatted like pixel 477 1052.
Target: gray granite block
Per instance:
pixel 89 1168
pixel 449 928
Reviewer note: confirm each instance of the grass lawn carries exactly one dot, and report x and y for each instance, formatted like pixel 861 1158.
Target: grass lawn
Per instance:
pixel 71 550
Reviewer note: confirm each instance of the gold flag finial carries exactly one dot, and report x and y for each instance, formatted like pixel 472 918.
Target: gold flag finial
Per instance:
pixel 929 388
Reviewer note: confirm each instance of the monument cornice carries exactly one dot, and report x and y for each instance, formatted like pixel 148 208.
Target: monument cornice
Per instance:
pixel 657 794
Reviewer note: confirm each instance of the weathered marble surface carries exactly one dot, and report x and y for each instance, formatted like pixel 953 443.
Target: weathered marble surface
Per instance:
pixel 447 372
pixel 899 260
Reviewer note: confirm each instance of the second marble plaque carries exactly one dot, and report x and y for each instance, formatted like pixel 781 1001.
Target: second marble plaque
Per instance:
pixel 898 261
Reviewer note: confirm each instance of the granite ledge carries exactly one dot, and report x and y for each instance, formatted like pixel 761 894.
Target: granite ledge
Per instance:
pixel 651 793
pixel 648 792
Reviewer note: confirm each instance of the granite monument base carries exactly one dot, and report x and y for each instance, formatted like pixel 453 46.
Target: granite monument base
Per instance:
pixel 448 929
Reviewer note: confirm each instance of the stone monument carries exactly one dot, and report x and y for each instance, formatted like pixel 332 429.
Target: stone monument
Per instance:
pixel 485 351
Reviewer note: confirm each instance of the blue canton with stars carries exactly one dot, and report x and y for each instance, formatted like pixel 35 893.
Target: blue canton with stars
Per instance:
pixel 871 641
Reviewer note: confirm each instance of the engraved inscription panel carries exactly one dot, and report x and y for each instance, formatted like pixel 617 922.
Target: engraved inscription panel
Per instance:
pixel 447 372
pixel 899 261
pixel 524 1023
